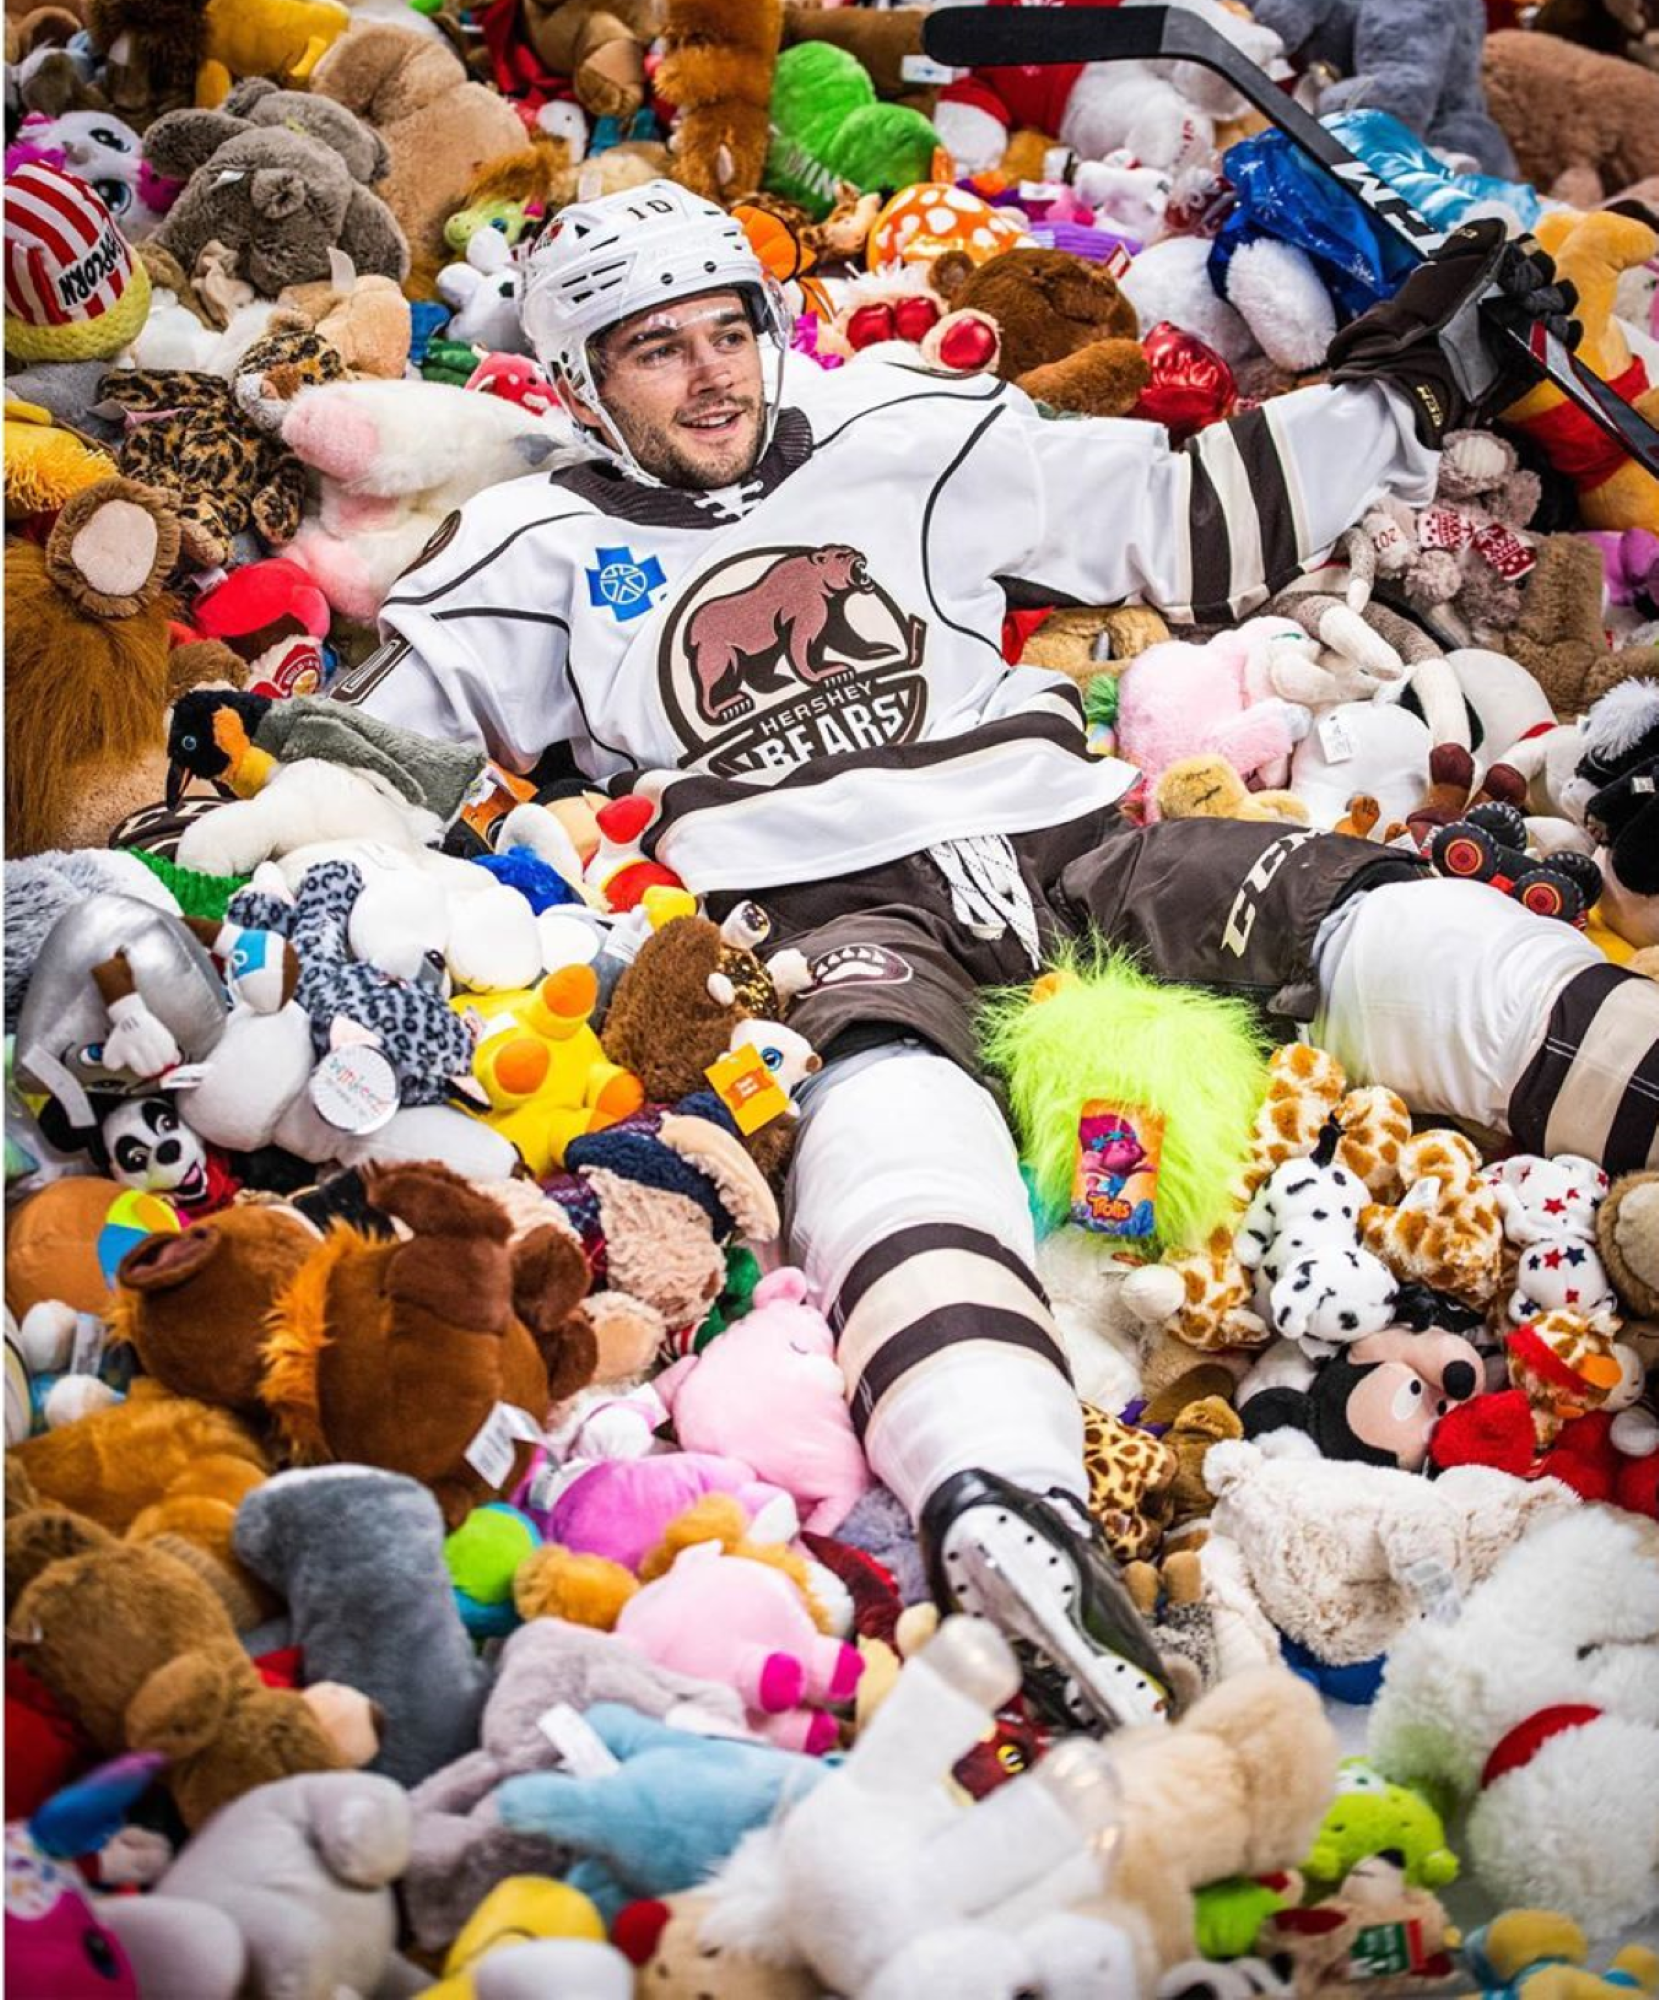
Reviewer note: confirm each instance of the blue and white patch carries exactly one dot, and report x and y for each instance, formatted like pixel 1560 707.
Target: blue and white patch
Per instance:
pixel 623 585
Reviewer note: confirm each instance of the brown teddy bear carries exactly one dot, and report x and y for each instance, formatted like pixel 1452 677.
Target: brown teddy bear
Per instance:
pixel 1069 337
pixel 716 71
pixel 1583 125
pixel 1560 638
pixel 192 1305
pixel 141 1653
pixel 673 1012
pixel 438 126
pixel 397 1353
pixel 600 45
pixel 87 612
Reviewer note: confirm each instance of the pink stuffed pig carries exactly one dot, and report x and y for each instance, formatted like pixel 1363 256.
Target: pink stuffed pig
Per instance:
pixel 768 1391
pixel 1178 700
pixel 742 1623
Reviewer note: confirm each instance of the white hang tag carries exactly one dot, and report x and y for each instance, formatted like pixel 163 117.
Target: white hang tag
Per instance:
pixel 491 1452
pixel 1335 740
pixel 922 69
pixel 88 1349
pixel 580 1746
pixel 354 1089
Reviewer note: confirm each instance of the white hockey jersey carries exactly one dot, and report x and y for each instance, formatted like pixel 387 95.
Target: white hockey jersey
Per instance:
pixel 806 673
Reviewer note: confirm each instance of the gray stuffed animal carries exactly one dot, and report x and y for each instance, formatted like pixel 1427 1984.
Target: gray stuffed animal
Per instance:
pixel 459 1848
pixel 1419 59
pixel 279 197
pixel 359 1556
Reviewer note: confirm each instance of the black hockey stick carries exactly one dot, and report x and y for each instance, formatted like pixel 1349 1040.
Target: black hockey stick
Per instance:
pixel 993 37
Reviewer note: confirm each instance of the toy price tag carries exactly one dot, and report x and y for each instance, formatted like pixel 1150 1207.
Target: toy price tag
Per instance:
pixel 1335 740
pixel 88 1348
pixel 354 1089
pixel 580 1746
pixel 1435 1589
pixel 922 69
pixel 747 1088
pixel 1381 1950
pixel 491 1452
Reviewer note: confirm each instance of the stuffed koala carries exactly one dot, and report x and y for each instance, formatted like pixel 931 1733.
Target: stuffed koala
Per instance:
pixel 279 198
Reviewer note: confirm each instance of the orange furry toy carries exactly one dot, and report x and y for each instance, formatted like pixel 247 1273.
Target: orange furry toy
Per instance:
pixel 398 1353
pixel 89 675
pixel 717 73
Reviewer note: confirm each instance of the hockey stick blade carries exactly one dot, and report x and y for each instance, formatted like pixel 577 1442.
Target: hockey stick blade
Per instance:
pixel 1000 37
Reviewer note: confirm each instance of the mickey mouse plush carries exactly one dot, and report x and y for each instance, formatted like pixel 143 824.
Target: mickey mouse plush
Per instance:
pixel 1376 1401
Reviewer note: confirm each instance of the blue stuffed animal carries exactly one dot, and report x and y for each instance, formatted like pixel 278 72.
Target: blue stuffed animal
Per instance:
pixel 667 1816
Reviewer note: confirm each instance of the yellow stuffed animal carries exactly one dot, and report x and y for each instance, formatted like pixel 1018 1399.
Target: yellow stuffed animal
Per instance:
pixel 1613 490
pixel 282 39
pixel 542 1067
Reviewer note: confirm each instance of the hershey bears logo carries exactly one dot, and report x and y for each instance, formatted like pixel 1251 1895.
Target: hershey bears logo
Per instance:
pixel 786 654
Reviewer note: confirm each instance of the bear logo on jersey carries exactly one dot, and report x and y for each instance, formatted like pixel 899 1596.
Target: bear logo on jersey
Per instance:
pixel 780 655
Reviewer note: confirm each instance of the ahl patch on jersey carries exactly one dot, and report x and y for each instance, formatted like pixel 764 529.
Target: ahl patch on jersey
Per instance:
pixel 782 655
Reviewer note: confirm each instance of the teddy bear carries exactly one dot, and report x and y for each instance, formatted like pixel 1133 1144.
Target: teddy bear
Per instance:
pixel 150 54
pixel 89 603
pixel 139 1650
pixel 437 125
pixel 1320 1946
pixel 1560 636
pixel 674 1011
pixel 366 1329
pixel 716 70
pixel 710 1601
pixel 1068 337
pixel 1423 66
pixel 1627 1230
pixel 600 45
pixel 192 1305
pixel 1584 125
pixel 1549 1209
pixel 175 146
pixel 218 443
pixel 1178 699
pixel 768 1391
pixel 1614 490
pixel 459 1847
pixel 1559 1748
pixel 1460 559
pixel 1237 1786
pixel 278 199
pixel 395 461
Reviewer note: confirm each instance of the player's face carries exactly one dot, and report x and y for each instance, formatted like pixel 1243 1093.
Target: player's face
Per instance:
pixel 682 386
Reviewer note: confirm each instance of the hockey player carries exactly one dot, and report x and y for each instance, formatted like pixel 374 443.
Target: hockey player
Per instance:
pixel 769 598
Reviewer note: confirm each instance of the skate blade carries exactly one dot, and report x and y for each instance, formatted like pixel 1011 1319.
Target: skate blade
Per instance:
pixel 1118 1695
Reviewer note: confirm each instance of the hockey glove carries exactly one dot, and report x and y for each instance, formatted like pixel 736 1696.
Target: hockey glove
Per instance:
pixel 1439 338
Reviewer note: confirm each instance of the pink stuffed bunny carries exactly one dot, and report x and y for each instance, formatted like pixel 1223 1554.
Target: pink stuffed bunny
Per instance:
pixel 742 1623
pixel 1178 700
pixel 768 1392
pixel 621 1507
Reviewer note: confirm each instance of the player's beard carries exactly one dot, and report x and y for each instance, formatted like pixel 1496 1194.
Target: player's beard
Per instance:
pixel 672 453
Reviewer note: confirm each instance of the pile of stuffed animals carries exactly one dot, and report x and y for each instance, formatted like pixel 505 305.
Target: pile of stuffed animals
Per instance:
pixel 439 1554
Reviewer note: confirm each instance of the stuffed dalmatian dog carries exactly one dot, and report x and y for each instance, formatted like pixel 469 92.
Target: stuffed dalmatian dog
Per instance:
pixel 1315 1285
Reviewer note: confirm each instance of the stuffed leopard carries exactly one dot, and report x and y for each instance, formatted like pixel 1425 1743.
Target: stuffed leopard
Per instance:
pixel 427 1043
pixel 217 445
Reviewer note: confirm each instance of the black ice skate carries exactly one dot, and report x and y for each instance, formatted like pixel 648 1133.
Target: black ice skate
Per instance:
pixel 1027 1564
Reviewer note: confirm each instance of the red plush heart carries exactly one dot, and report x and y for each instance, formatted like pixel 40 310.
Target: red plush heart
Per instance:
pixel 1191 385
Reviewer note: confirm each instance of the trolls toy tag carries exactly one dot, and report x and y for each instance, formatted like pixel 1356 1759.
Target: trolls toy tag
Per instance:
pixel 1115 1183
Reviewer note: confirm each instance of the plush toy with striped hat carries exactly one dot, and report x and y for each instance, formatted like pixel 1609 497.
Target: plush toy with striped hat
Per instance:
pixel 74 290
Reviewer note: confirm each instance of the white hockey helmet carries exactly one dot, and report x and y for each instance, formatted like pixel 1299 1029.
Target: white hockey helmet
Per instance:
pixel 600 262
